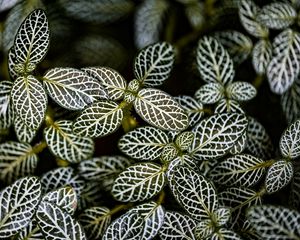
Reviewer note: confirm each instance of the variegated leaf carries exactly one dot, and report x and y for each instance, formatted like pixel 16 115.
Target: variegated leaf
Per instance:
pixel 241 91
pixel 194 109
pixel 289 142
pixel 204 229
pixel 213 62
pixel 16 160
pixel 153 216
pixel 223 234
pixel 148 22
pixel 294 196
pixel 195 193
pixel 57 224
pixel 29 100
pixel 160 109
pixel 228 106
pixel 128 226
pixel 238 45
pixel 92 194
pixel 102 167
pixel 222 216
pixel 144 143
pixel 177 227
pixel 261 56
pixel 277 15
pixel 239 170
pixel 169 152
pixel 18 204
pixel 110 79
pixel 139 182
pixel 12 62
pixel 275 222
pixel 71 88
pixel 23 133
pixel 32 40
pixel 284 66
pixel 95 221
pixel 153 64
pixel 239 145
pixel 214 136
pixel 31 232
pixel 65 144
pixel 195 12
pixel 100 119
pixel 6 108
pixel 210 93
pixel 248 12
pixel 184 140
pixel 279 175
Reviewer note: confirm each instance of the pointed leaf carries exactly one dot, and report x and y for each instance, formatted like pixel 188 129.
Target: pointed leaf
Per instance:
pixel 261 56
pixel 290 139
pixel 241 91
pixel 210 93
pixel 23 133
pixel 6 109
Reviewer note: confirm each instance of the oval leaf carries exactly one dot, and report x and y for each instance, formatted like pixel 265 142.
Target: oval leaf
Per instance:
pixel 210 93
pixel 6 109
pixel 261 56
pixel 23 133
pixel 241 91
pixel 290 139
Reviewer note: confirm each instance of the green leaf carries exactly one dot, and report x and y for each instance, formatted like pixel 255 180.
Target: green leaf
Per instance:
pixel 204 229
pixel 12 62
pixel 224 233
pixel 289 141
pixel 139 182
pixel 239 170
pixel 214 136
pixel 261 56
pixel 153 64
pixel 184 140
pixel 100 119
pixel 103 167
pixel 210 93
pixel 241 91
pixel 177 227
pixel 29 100
pixel 91 194
pixel 6 109
pixel 110 79
pixel 32 40
pixel 195 193
pixel 284 66
pixel 277 15
pixel 16 160
pixel 169 152
pixel 239 145
pixel 222 216
pixel 228 106
pixel 160 110
pixel 279 175
pixel 23 133
pixel 248 12
pixel 57 224
pixel 95 221
pixel 275 222
pixel 213 62
pixel 18 203
pixel 65 144
pixel 71 88
pixel 144 143
pixel 31 232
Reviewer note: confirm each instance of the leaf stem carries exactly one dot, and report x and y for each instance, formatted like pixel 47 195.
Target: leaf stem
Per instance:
pixel 258 81
pixel 39 147
pixel 170 25
pixel 119 208
pixel 161 197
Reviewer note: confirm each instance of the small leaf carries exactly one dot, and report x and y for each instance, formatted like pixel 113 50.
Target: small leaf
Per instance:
pixel 261 56
pixel 6 109
pixel 213 62
pixel 57 224
pixel 29 100
pixel 12 62
pixel 275 222
pixel 144 143
pixel 139 182
pixel 184 140
pixel 65 144
pixel 153 64
pixel 169 152
pixel 23 133
pixel 222 216
pixel 289 142
pixel 210 93
pixel 279 175
pixel 204 229
pixel 224 233
pixel 228 106
pixel 160 109
pixel 18 203
pixel 100 119
pixel 110 79
pixel 241 91
pixel 214 136
pixel 177 227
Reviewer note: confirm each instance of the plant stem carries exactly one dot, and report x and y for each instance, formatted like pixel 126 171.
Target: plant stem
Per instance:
pixel 39 147
pixel 119 208
pixel 258 81
pixel 161 197
pixel 170 26
pixel 129 123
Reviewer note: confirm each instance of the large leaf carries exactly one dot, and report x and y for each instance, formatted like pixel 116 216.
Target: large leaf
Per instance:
pixel 57 224
pixel 275 222
pixel 31 232
pixel 290 141
pixel 92 194
pixel 16 160
pixel 279 175
pixel 65 144
pixel 110 79
pixel 177 227
pixel 71 88
pixel 18 203
pixel 23 133
pixel 6 109
pixel 214 136
pixel 160 109
pixel 284 66
pixel 196 194
pixel 210 93
pixel 153 64
pixel 139 182
pixel 100 119
pixel 29 100
pixel 32 40
pixel 239 170
pixel 239 145
pixel 241 91
pixel 261 56
pixel 103 167
pixel 144 143
pixel 213 62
